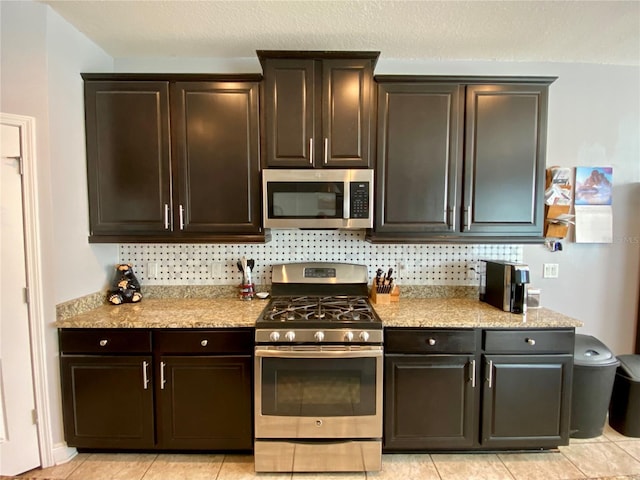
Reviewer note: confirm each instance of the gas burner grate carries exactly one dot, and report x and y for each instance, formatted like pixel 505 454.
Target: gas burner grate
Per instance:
pixel 330 309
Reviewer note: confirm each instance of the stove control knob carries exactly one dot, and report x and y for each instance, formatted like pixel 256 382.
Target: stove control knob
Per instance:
pixel 348 337
pixel 290 336
pixel 319 336
pixel 364 336
pixel 274 336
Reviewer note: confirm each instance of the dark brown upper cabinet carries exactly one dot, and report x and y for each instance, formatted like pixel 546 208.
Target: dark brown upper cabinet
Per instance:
pixel 460 159
pixel 173 158
pixel 317 108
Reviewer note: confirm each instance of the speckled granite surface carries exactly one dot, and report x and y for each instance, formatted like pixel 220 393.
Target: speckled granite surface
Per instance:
pixel 233 312
pixel 464 312
pixel 171 313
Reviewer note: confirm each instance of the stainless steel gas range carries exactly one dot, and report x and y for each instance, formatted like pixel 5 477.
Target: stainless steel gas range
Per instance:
pixel 318 372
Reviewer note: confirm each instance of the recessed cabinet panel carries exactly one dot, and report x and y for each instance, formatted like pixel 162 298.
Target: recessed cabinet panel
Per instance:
pixel 107 401
pixel 526 400
pixel 205 402
pixel 418 157
pixel 505 158
pixel 346 112
pixel 290 112
pixel 216 156
pixel 128 156
pixel 429 402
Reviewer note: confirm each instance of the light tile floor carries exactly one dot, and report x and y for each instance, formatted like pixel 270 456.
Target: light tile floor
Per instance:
pixel 610 456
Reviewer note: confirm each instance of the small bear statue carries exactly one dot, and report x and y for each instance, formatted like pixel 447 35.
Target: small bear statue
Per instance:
pixel 125 286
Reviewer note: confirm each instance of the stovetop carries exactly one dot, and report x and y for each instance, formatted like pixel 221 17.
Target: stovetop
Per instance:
pixel 334 311
pixel 319 303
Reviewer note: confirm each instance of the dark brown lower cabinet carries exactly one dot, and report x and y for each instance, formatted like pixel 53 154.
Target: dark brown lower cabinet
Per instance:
pixel 440 396
pixel 204 403
pixel 202 381
pixel 107 402
pixel 429 402
pixel 526 400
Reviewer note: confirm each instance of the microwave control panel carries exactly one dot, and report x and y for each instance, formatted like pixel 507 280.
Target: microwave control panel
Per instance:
pixel 359 199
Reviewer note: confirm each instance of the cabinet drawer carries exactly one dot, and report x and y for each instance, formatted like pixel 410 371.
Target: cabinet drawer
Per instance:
pixel 419 340
pixel 104 340
pixel 528 341
pixel 204 341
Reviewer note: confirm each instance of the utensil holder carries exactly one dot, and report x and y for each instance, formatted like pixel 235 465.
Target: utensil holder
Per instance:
pixel 247 291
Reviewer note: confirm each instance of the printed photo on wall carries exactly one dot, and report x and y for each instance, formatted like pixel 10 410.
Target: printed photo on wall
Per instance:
pixel 593 185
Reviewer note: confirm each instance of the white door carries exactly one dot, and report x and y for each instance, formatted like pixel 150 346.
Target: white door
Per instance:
pixel 19 450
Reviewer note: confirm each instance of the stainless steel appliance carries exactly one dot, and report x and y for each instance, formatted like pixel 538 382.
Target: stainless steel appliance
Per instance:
pixel 318 372
pixel 314 198
pixel 504 285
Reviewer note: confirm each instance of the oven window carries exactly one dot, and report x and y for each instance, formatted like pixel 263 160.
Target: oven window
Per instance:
pixel 318 386
pixel 305 199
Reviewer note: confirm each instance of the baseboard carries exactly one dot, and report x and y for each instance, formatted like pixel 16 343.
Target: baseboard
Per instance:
pixel 62 453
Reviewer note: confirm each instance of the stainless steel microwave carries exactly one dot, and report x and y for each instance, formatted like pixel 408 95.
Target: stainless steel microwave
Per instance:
pixel 310 198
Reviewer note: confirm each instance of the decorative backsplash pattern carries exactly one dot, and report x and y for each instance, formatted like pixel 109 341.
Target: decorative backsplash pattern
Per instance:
pixel 215 264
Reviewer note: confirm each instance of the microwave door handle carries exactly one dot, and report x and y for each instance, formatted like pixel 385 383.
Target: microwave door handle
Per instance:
pixel 346 210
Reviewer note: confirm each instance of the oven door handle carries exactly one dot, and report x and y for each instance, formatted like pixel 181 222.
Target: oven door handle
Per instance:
pixel 371 352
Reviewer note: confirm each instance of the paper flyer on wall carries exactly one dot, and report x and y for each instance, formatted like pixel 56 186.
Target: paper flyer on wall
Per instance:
pixel 593 199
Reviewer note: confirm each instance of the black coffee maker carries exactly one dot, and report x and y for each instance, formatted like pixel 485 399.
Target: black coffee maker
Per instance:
pixel 504 285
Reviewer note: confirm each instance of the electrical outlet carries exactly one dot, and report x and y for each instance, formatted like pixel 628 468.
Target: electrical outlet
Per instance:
pixel 216 269
pixel 152 270
pixel 550 270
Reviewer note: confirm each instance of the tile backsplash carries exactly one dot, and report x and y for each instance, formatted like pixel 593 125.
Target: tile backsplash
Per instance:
pixel 215 264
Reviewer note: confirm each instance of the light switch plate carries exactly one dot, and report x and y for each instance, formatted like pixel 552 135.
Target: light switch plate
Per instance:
pixel 550 270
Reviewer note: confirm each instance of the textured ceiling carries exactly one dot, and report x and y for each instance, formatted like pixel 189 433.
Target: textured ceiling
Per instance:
pixel 558 31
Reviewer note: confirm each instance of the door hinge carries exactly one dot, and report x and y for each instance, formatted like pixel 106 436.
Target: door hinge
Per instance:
pixel 26 294
pixel 19 160
pixel 34 416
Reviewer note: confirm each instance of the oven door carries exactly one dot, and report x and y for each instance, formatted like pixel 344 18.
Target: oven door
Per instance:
pixel 318 392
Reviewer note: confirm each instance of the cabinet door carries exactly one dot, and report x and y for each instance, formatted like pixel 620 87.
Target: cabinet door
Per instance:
pixel 204 402
pixel 290 112
pixel 526 401
pixel 127 128
pixel 505 159
pixel 419 157
pixel 216 156
pixel 346 113
pixel 107 401
pixel 429 402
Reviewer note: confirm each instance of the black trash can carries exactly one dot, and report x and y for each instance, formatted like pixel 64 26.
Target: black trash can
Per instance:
pixel 594 369
pixel 624 412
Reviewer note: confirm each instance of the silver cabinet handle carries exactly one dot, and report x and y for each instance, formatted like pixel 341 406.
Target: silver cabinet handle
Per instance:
pixel 103 343
pixel 166 216
pixel 311 151
pixel 467 211
pixel 473 373
pixel 490 379
pixel 145 375
pixel 181 217
pixel 453 217
pixel 530 341
pixel 204 342
pixel 431 341
pixel 326 150
pixel 162 379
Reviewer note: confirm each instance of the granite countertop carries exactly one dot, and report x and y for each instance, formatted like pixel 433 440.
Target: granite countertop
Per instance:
pixel 171 313
pixel 233 312
pixel 466 313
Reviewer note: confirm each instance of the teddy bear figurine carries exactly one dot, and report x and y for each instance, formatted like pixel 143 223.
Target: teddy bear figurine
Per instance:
pixel 125 286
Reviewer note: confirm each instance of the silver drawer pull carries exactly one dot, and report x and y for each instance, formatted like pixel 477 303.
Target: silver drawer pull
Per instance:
pixel 490 379
pixel 431 341
pixel 473 373
pixel 145 375
pixel 204 343
pixel 530 341
pixel 162 379
pixel 103 342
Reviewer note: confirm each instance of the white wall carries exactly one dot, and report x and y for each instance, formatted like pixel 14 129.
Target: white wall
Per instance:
pixel 41 59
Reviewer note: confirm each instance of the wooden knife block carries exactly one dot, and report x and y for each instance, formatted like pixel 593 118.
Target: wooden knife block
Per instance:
pixel 384 298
